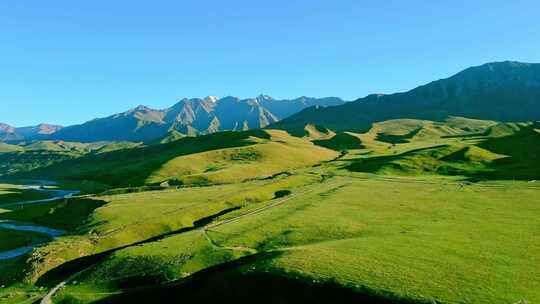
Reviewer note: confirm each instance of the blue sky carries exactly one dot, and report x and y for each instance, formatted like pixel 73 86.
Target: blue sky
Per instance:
pixel 70 61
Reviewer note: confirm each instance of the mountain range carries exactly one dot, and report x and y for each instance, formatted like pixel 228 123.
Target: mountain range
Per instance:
pixel 501 91
pixel 39 132
pixel 188 117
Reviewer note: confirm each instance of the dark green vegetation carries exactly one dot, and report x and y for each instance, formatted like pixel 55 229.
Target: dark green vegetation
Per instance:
pixel 511 156
pixel 13 193
pixel 67 214
pixel 23 157
pixel 340 142
pixel 504 91
pixel 18 239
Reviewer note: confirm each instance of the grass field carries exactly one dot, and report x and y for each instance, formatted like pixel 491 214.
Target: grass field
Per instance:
pixel 127 219
pixel 233 165
pixel 424 240
pixel 409 212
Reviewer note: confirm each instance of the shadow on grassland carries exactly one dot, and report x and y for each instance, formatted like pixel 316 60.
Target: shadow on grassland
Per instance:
pixel 239 281
pixel 131 167
pixel 79 265
pixel 520 159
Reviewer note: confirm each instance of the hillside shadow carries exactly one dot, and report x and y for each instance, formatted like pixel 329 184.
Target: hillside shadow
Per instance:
pixel 520 161
pixel 78 265
pixel 65 214
pixel 11 194
pixel 340 142
pixel 132 167
pixel 239 281
pixel 376 163
pixel 398 139
pixel 522 150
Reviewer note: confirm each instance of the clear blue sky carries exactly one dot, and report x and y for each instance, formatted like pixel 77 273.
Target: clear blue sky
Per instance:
pixel 70 61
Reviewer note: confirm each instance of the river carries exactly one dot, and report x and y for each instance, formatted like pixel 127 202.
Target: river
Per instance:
pixel 20 226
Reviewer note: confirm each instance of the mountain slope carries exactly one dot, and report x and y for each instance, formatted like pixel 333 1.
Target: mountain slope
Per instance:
pixel 215 158
pixel 38 132
pixel 41 131
pixel 8 133
pixel 502 91
pixel 138 124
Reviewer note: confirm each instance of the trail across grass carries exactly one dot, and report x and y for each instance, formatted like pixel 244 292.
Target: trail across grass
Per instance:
pixel 369 234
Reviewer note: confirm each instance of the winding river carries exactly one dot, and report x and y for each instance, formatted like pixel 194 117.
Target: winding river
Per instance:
pixel 21 226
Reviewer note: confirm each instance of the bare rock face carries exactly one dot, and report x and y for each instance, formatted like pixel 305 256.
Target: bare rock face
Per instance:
pixel 8 133
pixel 189 117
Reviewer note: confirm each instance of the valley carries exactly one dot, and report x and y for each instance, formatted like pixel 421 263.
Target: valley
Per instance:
pixel 355 216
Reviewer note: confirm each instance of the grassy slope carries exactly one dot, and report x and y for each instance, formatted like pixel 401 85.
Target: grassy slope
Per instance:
pixel 9 148
pixel 280 153
pixel 134 166
pixel 135 217
pixel 416 241
pixel 425 240
pixel 523 151
pixel 512 154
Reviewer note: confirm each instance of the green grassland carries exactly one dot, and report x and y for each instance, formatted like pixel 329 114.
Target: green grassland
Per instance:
pixel 410 211
pixel 280 153
pixel 26 157
pixel 219 158
pixel 127 219
pixel 132 167
pixel 4 148
pixel 512 154
pixel 422 240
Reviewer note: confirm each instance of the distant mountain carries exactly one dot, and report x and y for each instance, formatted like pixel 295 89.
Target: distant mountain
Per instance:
pixel 41 131
pixel 8 133
pixel 138 124
pixel 189 117
pixel 502 91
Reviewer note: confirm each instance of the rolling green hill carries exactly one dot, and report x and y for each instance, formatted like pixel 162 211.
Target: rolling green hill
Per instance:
pixel 407 211
pixel 9 148
pixel 376 237
pixel 216 158
pixel 491 151
pixel 25 157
